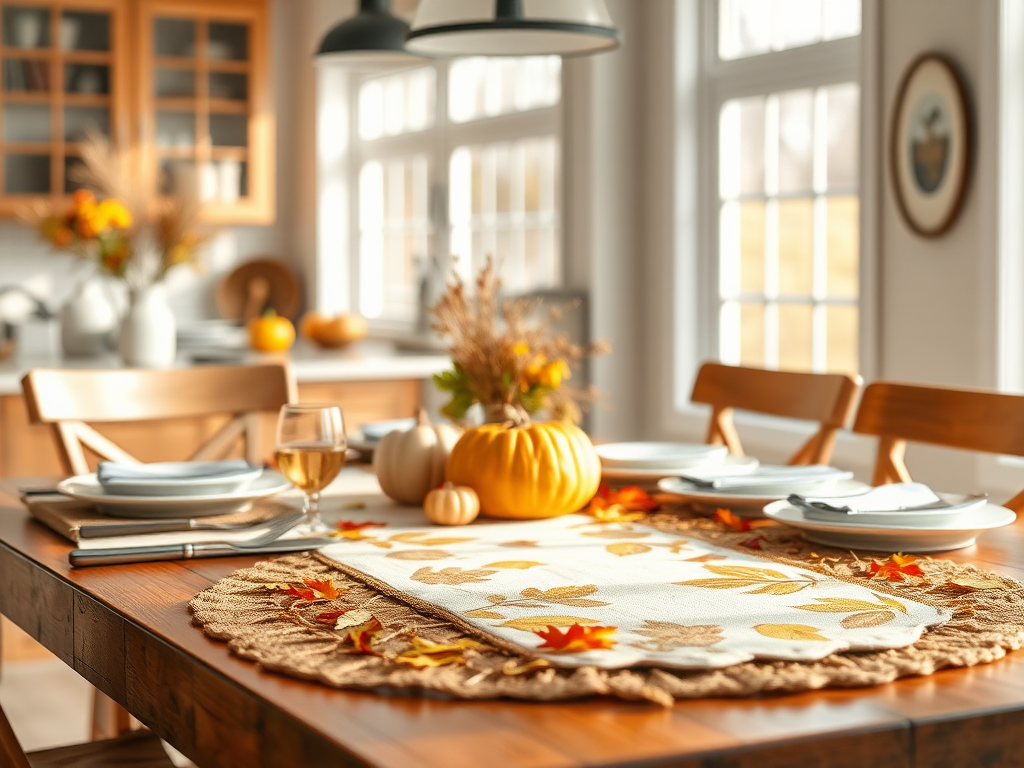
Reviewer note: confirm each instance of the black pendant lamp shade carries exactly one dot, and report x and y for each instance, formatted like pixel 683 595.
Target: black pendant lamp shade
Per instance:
pixel 512 28
pixel 371 38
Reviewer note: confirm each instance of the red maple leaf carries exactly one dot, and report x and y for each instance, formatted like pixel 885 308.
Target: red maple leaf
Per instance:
pixel 896 568
pixel 323 587
pixel 575 639
pixel 622 506
pixel 328 617
pixel 754 542
pixel 349 525
pixel 362 637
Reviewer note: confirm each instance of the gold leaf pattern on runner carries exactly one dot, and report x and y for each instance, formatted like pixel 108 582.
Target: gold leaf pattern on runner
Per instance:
pixel 667 636
pixel 520 565
pixel 617 534
pixel 451 575
pixel 844 605
pixel 867 619
pixel 771 582
pixel 571 596
pixel 530 623
pixel 626 548
pixel 496 599
pixel 415 537
pixel 705 558
pixel 483 613
pixel 518 544
pixel 419 554
pixel 790 632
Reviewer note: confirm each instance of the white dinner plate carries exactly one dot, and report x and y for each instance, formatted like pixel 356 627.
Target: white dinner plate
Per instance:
pixel 185 486
pixel 735 464
pixel 660 455
pixel 377 429
pixel 745 504
pixel 955 534
pixel 87 488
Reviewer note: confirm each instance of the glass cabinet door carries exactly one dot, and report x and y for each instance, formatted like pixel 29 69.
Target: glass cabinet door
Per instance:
pixel 60 81
pixel 204 84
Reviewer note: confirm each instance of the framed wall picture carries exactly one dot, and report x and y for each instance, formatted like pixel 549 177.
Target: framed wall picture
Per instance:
pixel 930 145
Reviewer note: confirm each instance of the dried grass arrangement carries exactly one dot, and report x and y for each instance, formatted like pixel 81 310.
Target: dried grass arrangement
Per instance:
pixel 512 365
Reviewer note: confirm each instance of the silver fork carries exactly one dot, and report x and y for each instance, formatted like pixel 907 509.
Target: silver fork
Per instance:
pixel 269 541
pixel 174 526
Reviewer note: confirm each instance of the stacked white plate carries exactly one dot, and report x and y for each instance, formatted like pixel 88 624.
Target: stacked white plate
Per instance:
pixel 653 461
pixel 174 489
pixel 903 517
pixel 747 493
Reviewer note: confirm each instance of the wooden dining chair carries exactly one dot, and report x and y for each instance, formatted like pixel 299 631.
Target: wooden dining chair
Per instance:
pixel 973 420
pixel 138 749
pixel 827 398
pixel 70 401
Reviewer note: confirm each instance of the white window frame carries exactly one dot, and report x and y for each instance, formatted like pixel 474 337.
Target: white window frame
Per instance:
pixel 699 89
pixel 440 140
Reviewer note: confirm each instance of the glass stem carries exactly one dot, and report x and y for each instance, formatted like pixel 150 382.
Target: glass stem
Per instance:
pixel 312 510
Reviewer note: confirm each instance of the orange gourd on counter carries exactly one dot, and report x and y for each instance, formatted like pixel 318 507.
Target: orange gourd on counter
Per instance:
pixel 271 333
pixel 333 332
pixel 545 469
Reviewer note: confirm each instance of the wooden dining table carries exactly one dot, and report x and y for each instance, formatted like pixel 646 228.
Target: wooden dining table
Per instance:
pixel 127 630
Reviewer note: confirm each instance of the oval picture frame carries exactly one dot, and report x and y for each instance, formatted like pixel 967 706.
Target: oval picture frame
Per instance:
pixel 930 145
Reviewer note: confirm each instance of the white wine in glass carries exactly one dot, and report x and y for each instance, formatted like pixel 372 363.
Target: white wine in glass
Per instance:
pixel 311 447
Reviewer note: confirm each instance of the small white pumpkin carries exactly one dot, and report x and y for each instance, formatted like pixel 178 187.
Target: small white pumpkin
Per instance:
pixel 410 463
pixel 452 505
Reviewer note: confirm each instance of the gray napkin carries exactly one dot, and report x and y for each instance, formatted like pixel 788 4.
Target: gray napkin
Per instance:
pixel 112 472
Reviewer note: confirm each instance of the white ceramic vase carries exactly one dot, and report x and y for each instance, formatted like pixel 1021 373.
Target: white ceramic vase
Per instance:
pixel 148 337
pixel 87 321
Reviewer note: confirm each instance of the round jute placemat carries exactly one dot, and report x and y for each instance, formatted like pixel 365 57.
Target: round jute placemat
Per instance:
pixel 282 634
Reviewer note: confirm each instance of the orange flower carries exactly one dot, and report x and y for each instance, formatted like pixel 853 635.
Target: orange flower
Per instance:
pixel 62 237
pixel 576 639
pixel 728 519
pixel 622 506
pixel 83 197
pixel 896 568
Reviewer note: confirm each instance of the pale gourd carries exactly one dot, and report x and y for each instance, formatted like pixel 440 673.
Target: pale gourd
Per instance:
pixel 410 463
pixel 451 505
pixel 527 472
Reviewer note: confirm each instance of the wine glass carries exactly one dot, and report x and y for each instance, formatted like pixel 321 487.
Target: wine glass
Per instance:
pixel 311 448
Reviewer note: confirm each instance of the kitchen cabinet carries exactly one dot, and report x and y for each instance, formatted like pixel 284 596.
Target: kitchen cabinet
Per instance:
pixel 184 83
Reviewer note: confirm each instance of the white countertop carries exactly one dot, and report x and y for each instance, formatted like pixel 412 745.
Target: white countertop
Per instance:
pixel 366 361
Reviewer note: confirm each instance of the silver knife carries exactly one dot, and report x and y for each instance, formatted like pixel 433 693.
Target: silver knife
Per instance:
pixel 80 558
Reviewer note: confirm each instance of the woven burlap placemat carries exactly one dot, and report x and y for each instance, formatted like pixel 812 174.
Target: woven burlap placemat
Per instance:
pixel 281 633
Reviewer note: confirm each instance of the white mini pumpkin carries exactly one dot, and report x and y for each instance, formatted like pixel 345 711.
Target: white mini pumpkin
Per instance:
pixel 452 505
pixel 412 462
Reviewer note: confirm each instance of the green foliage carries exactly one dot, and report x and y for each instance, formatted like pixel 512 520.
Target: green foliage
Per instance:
pixel 456 383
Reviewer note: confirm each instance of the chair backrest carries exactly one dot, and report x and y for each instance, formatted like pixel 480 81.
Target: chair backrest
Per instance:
pixel 11 753
pixel 68 400
pixel 972 420
pixel 827 398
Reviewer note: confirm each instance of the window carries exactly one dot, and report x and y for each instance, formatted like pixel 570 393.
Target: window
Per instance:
pixel 458 158
pixel 786 183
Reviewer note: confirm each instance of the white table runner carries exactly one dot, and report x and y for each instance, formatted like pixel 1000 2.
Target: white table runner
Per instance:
pixel 673 601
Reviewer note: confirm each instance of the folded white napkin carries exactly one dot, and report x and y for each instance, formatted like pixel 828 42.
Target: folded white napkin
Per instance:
pixel 111 472
pixel 886 498
pixel 767 476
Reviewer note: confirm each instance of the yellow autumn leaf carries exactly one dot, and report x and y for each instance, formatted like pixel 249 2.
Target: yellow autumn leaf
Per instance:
pixel 790 632
pixel 513 668
pixel 419 554
pixel 521 565
pixel 626 548
pixel 617 534
pixel 974 582
pixel 426 653
pixel 868 619
pixel 530 623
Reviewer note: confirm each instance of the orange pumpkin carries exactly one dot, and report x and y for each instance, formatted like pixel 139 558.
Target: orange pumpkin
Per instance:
pixel 271 333
pixel 540 470
pixel 333 332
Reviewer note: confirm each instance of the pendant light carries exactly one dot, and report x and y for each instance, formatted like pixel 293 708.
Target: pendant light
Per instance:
pixel 512 28
pixel 372 38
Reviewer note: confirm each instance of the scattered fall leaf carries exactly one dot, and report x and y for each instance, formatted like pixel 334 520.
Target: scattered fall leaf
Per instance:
pixel 353 618
pixel 972 583
pixel 349 525
pixel 291 589
pixel 520 565
pixel 324 588
pixel 896 568
pixel 626 548
pixel 513 668
pixel 623 506
pixel 754 542
pixel 353 535
pixel 575 639
pixel 790 632
pixel 426 653
pixel 730 520
pixel 328 617
pixel 363 635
